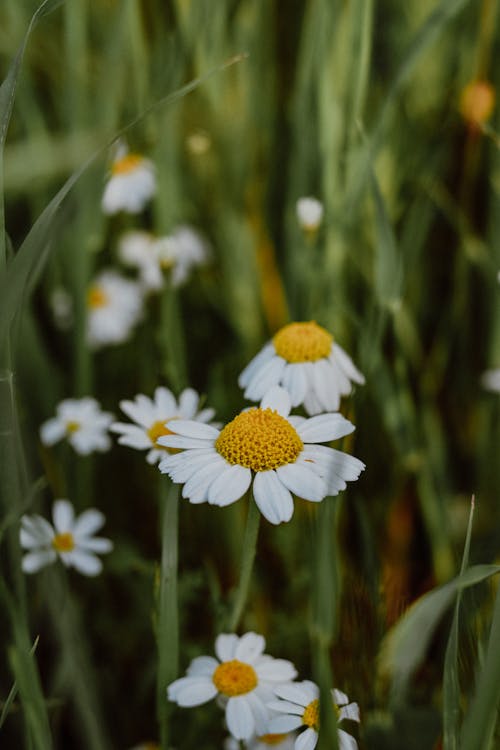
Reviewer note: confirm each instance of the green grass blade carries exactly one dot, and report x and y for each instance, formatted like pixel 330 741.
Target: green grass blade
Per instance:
pixel 388 265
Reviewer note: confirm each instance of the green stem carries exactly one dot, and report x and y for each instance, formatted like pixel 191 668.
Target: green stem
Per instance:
pixel 247 561
pixel 168 615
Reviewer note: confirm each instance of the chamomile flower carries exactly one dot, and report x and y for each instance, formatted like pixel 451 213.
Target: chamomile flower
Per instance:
pixel 304 359
pixel 264 742
pixel 180 252
pixel 114 307
pixel 70 539
pixel 138 249
pixel 132 183
pixel 82 423
pixel 309 213
pixel 242 677
pixel 490 380
pixel 299 707
pixel 264 446
pixel 152 419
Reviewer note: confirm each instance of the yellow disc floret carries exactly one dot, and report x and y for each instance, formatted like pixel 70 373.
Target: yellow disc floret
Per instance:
pixel 271 739
pixel 234 678
pixel 259 439
pixel 303 342
pixel 310 717
pixel 126 164
pixel 72 427
pixel 96 297
pixel 159 429
pixel 63 542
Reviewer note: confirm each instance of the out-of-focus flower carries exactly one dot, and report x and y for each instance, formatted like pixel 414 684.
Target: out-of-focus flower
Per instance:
pixel 139 249
pixel 309 213
pixel 132 183
pixel 82 423
pixel 114 307
pixel 264 742
pixel 300 707
pixel 198 142
pixel 490 380
pixel 304 359
pixel 152 419
pixel 243 678
pixel 70 539
pixel 278 453
pixel 477 101
pixel 61 303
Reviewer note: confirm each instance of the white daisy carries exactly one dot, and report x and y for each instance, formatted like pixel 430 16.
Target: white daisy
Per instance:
pixel 139 249
pixel 243 678
pixel 180 252
pixel 114 307
pixel 70 539
pixel 264 742
pixel 490 380
pixel 300 707
pixel 304 359
pixel 153 417
pixel 278 453
pixel 309 213
pixel 132 183
pixel 82 423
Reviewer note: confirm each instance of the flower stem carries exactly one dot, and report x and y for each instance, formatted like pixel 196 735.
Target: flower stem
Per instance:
pixel 168 616
pixel 247 561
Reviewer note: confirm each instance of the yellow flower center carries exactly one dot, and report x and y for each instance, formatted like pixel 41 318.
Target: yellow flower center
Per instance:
pixel 126 164
pixel 96 297
pixel 158 429
pixel 72 427
pixel 259 439
pixel 310 717
pixel 234 678
pixel 303 342
pixel 272 739
pixel 63 542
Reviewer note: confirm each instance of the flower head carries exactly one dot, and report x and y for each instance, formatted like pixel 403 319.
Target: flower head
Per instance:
pixel 70 539
pixel 490 380
pixel 114 307
pixel 304 359
pixel 180 252
pixel 264 742
pixel 243 678
pixel 309 213
pixel 299 707
pixel 82 423
pixel 153 419
pixel 278 453
pixel 132 183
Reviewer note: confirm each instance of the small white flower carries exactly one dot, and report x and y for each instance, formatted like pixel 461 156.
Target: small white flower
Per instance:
pixel 264 742
pixel 61 303
pixel 139 249
pixel 114 307
pixel 131 185
pixel 152 419
pixel 300 707
pixel 180 252
pixel 304 359
pixel 490 380
pixel 82 423
pixel 309 213
pixel 243 678
pixel 70 539
pixel 265 446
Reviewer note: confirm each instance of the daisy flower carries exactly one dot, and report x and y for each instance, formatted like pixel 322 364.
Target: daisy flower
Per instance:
pixel 70 539
pixel 490 380
pixel 82 423
pixel 132 183
pixel 138 249
pixel 180 252
pixel 152 419
pixel 309 213
pixel 264 742
pixel 304 359
pixel 300 707
pixel 243 678
pixel 114 307
pixel 278 453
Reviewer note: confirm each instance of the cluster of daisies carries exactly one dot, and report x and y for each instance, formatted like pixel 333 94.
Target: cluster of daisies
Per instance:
pixel 115 302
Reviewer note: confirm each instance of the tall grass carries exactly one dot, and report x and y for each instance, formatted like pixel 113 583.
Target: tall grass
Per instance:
pixel 358 104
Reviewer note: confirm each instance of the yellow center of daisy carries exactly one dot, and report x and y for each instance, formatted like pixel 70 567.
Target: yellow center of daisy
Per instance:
pixel 234 678
pixel 63 542
pixel 303 342
pixel 259 439
pixel 271 739
pixel 96 297
pixel 310 717
pixel 126 164
pixel 158 429
pixel 72 427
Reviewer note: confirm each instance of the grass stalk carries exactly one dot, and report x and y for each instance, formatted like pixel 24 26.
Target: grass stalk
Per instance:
pixel 249 550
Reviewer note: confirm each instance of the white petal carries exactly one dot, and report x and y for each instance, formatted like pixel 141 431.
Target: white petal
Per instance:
pixel 230 485
pixel 265 378
pixel 307 740
pixel 239 718
pixel 259 712
pixel 95 544
pixel 193 429
pixel 250 646
pixel 277 670
pixel 33 561
pixel 351 711
pixel 202 666
pixel 265 354
pixel 63 516
pixel 277 398
pixel 35 531
pixel 191 691
pixel 52 431
pixel 197 486
pixel 188 403
pixel 165 402
pixel 347 365
pixel 272 497
pixel 131 435
pixel 184 443
pixel 324 427
pixel 283 724
pixel 88 523
pixel 303 482
pixel 85 563
pixel 138 412
pixel 298 692
pixel 346 742
pixel 326 385
pixel 286 707
pixel 339 697
pixel 225 646
pixel 294 379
